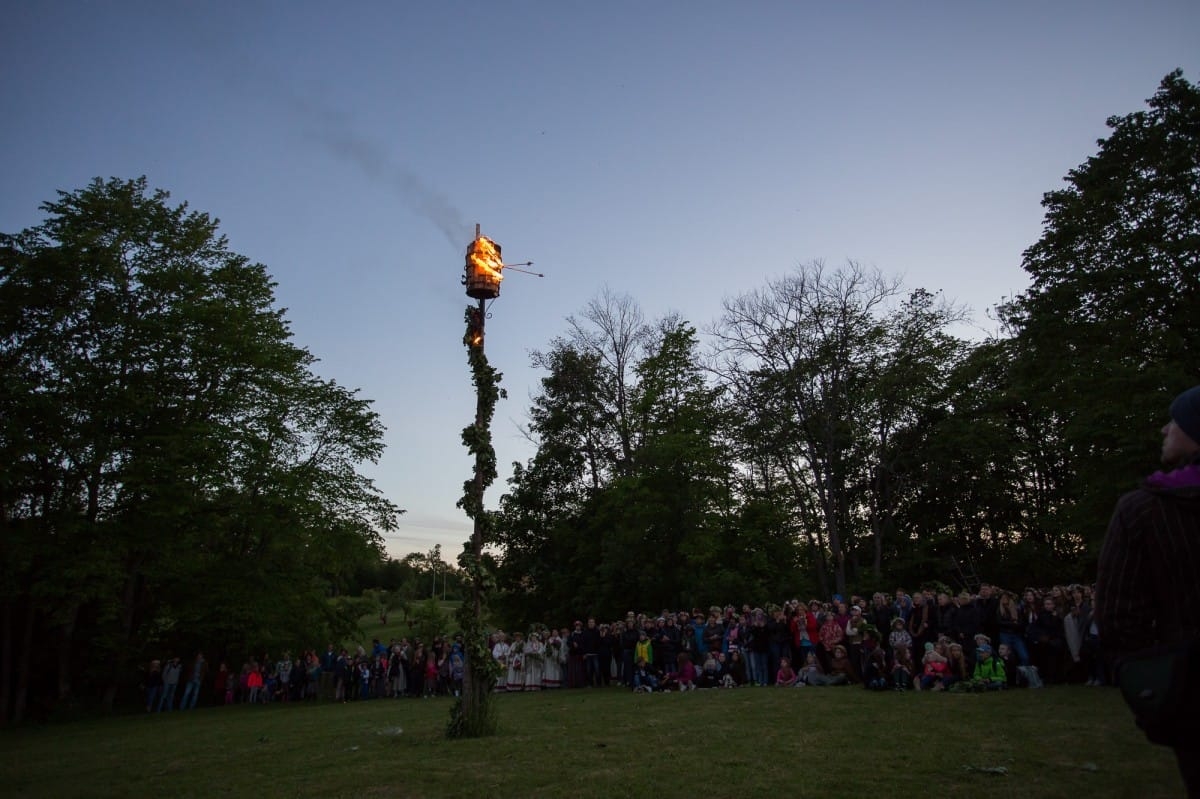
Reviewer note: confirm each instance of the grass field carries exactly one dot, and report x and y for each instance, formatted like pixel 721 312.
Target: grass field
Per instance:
pixel 369 627
pixel 749 742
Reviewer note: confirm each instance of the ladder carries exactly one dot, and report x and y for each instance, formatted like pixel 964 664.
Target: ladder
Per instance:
pixel 966 573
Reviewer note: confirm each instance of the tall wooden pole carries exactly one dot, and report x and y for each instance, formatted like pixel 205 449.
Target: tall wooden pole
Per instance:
pixel 473 716
pixel 482 417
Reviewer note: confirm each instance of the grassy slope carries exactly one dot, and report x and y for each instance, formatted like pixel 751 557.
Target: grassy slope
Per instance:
pixel 397 627
pixel 773 743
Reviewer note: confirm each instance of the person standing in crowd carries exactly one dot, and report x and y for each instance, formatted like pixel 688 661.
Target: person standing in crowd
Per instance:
pixel 989 611
pixel 341 677
pixel 283 670
pixel 628 642
pixel 191 692
pixel 575 653
pixel 880 614
pixel 170 679
pixel 920 622
pixel 666 640
pixel 608 644
pixel 758 642
pixel 1011 626
pixel 903 604
pixel 515 679
pixel 1047 641
pixel 500 651
pixel 220 683
pixel 1148 577
pixel 154 685
pixel 328 672
pixel 254 683
pixel 397 684
pixel 591 654
pixel 943 615
pixel 535 662
pixel 552 669
pixel 779 643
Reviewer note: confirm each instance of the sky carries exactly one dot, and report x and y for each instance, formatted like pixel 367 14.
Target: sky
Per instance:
pixel 681 153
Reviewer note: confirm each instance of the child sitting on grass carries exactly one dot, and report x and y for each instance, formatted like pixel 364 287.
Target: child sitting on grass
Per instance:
pixel 935 670
pixel 786 676
pixel 812 673
pixel 644 680
pixel 989 671
pixel 712 671
pixel 685 674
pixel 875 669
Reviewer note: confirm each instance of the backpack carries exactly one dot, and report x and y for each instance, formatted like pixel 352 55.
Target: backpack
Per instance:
pixel 1160 686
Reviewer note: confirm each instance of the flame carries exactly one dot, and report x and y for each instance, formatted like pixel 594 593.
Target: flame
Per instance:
pixel 485 256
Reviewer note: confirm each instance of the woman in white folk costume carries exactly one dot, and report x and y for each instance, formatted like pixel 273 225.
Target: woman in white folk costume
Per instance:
pixel 500 654
pixel 535 660
pixel 551 665
pixel 516 663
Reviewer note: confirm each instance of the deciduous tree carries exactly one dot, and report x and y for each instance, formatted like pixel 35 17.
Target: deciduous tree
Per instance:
pixel 1108 327
pixel 174 468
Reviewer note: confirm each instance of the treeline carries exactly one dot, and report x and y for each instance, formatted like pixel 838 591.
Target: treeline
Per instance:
pixel 831 432
pixel 173 475
pixel 416 576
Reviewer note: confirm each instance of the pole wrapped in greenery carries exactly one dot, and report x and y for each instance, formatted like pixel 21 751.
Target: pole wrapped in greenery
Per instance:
pixel 472 715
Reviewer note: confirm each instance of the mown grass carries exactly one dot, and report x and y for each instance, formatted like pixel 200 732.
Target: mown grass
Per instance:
pixel 760 742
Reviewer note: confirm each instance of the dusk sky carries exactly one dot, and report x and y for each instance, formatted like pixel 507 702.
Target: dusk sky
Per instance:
pixel 678 152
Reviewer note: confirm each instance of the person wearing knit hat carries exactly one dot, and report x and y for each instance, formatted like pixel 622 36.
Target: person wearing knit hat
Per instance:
pixel 1150 551
pixel 1181 436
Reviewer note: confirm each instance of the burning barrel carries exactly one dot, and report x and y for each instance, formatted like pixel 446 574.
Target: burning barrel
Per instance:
pixel 483 269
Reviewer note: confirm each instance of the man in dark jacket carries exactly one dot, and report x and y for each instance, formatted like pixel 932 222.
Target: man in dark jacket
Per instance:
pixel 989 611
pixel 629 639
pixel 591 653
pixel 1148 579
pixel 666 642
pixel 1047 640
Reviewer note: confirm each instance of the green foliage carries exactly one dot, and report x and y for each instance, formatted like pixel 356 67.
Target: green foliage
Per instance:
pixel 1106 335
pixel 614 514
pixel 473 714
pixel 429 621
pixel 176 473
pixel 384 602
pixel 829 374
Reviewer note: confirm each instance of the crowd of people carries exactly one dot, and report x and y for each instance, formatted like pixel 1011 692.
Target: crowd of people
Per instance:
pixel 384 671
pixel 927 640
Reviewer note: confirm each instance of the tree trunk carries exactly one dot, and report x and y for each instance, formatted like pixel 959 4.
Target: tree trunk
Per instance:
pixel 814 541
pixel 880 518
pixel 21 696
pixel 833 534
pixel 66 639
pixel 118 659
pixel 6 664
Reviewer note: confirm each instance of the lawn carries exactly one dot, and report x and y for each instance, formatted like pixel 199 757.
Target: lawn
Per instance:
pixel 369 627
pixel 748 742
